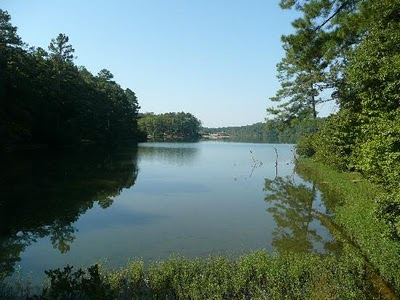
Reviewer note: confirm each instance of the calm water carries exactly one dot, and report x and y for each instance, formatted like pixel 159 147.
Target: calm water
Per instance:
pixel 152 201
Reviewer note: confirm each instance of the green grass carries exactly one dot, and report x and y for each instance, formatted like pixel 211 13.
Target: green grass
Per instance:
pixel 354 205
pixel 255 276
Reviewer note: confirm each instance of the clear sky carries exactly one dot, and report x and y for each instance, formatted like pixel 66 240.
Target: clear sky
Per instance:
pixel 213 58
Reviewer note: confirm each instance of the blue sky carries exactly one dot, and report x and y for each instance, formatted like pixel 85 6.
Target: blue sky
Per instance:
pixel 214 58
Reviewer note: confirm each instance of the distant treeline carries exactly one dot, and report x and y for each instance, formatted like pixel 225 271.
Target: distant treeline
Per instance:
pixel 45 98
pixel 170 125
pixel 269 132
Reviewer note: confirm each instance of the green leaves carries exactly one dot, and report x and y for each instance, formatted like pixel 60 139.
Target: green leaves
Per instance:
pixel 105 75
pixel 170 125
pixel 60 50
pixel 8 33
pixel 352 48
pixel 45 98
pixel 311 71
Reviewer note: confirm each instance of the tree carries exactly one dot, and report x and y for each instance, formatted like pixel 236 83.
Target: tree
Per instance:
pixel 302 75
pixel 45 98
pixel 60 49
pixel 8 33
pixel 170 125
pixel 362 52
pixel 105 75
pixel 315 56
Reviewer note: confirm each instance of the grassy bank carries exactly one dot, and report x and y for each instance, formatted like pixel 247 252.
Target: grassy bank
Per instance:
pixel 353 202
pixel 255 276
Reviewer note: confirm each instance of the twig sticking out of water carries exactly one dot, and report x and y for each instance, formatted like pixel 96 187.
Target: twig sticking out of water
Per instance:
pixel 276 162
pixel 256 164
pixel 295 161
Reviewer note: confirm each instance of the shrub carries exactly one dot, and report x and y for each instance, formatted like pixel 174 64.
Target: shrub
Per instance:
pixel 305 146
pixel 378 155
pixel 334 142
pixel 389 211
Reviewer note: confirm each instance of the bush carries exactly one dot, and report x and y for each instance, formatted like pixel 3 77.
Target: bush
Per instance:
pixel 378 156
pixel 334 142
pixel 389 211
pixel 305 146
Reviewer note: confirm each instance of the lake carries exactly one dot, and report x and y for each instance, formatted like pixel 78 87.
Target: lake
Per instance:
pixel 151 201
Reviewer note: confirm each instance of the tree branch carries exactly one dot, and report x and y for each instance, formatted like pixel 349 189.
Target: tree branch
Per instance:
pixel 333 15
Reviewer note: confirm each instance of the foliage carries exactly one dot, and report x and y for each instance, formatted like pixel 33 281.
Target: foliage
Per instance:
pixel 170 125
pixel 46 99
pixel 301 71
pixel 360 43
pixel 248 133
pixel 128 282
pixel 305 146
pixel 254 276
pixel 297 128
pixel 389 211
pixel 334 142
pixel 378 155
pixel 311 71
pixel 372 78
pixel 272 131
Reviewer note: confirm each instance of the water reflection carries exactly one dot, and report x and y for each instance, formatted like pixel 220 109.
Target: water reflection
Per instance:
pixel 330 198
pixel 293 207
pixel 178 154
pixel 44 193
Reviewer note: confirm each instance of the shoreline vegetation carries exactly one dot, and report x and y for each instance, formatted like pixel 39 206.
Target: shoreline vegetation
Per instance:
pixel 355 214
pixel 270 131
pixel 351 58
pixel 171 126
pixel 366 268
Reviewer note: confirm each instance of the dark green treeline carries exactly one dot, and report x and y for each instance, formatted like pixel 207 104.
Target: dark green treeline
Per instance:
pixel 46 99
pixel 171 125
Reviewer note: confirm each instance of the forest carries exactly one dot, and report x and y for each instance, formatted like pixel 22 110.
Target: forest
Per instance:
pixel 352 57
pixel 272 131
pixel 170 126
pixel 46 99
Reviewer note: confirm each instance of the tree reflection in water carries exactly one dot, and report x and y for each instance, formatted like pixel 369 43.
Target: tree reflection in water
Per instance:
pixel 43 193
pixel 174 154
pixel 297 227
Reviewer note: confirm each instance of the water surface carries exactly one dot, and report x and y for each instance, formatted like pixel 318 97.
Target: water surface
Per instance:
pixel 151 201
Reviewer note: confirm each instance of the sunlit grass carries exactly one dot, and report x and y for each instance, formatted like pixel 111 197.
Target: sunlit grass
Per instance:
pixel 255 276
